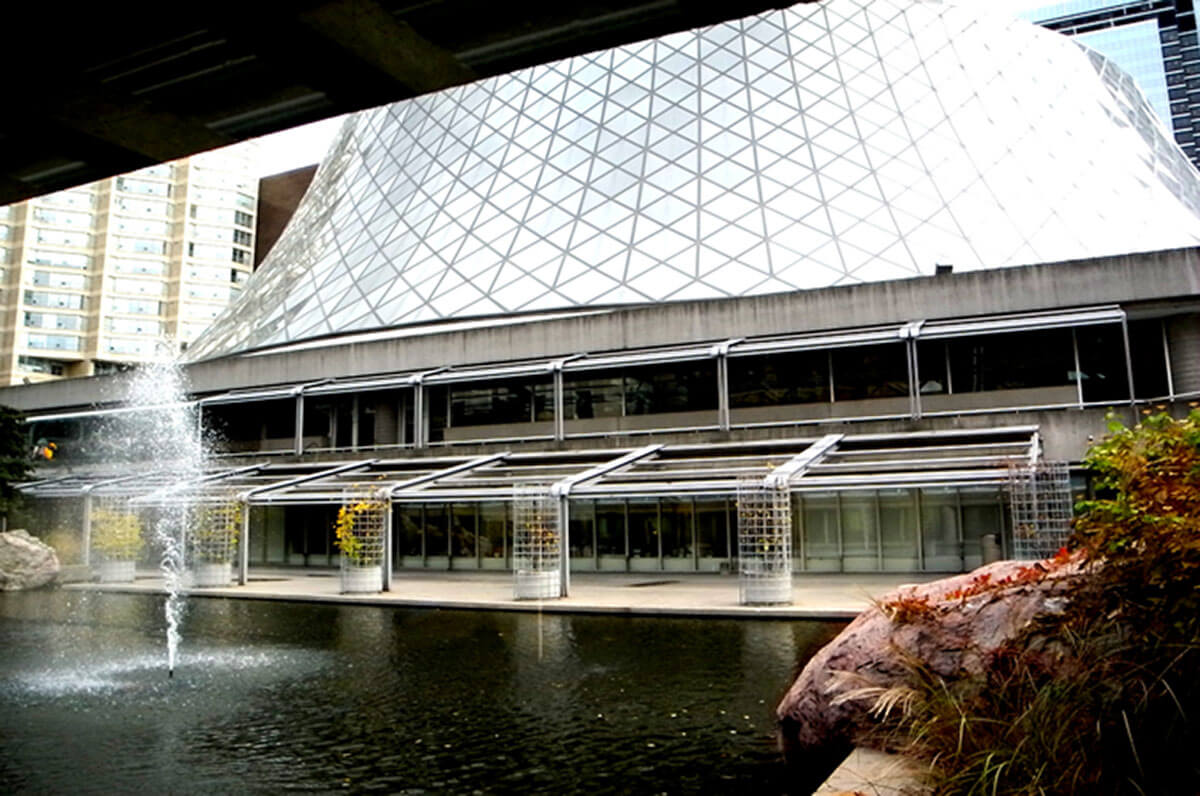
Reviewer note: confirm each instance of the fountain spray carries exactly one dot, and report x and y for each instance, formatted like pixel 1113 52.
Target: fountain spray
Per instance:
pixel 169 438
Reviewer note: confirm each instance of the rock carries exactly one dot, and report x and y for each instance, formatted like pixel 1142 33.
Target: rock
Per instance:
pixel 25 562
pixel 951 625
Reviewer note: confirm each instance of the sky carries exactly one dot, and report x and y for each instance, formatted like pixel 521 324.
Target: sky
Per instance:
pixel 300 146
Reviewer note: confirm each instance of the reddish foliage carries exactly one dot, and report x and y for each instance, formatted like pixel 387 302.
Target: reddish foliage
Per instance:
pixel 908 608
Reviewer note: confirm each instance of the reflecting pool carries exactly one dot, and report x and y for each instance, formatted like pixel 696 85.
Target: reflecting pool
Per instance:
pixel 284 696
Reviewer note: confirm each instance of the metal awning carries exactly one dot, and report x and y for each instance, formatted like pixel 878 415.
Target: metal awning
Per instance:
pixel 247 396
pixel 807 342
pixel 635 358
pixel 1025 322
pixel 832 462
pixel 117 410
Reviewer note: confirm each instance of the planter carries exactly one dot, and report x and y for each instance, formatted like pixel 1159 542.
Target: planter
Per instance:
pixel 762 590
pixel 208 574
pixel 362 580
pixel 537 585
pixel 116 571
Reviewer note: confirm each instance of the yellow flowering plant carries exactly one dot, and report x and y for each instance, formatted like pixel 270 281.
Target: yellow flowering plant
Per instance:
pixel 354 532
pixel 214 531
pixel 117 535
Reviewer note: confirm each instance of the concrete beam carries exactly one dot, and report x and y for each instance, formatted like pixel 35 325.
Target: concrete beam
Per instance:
pixel 365 29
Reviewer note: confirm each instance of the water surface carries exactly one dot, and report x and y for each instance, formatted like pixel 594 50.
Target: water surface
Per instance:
pixel 271 697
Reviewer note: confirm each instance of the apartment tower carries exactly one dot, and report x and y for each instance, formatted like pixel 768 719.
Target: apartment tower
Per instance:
pixel 124 270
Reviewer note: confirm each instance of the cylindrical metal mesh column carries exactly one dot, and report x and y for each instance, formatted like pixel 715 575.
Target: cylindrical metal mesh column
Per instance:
pixel 361 525
pixel 116 538
pixel 536 545
pixel 1040 497
pixel 213 531
pixel 764 526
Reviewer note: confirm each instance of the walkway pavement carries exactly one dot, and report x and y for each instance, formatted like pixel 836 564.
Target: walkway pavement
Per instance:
pixel 651 594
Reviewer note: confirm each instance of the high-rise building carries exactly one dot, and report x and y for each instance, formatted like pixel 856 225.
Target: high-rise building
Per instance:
pixel 1154 41
pixel 104 275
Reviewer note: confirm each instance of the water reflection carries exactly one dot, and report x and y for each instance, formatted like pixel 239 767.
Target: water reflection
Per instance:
pixel 323 697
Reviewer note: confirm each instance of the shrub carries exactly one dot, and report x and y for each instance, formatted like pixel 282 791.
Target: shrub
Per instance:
pixel 1104 697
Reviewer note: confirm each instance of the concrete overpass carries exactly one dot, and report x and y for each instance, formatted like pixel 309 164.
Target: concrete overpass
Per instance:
pixel 103 89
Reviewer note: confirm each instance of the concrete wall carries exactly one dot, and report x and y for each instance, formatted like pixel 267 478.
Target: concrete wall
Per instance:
pixel 278 196
pixel 1144 277
pixel 1158 276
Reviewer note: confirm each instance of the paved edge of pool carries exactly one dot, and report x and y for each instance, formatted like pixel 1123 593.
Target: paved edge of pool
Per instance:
pixel 520 606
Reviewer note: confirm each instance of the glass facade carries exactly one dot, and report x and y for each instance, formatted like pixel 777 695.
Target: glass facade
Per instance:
pixel 885 530
pixel 725 161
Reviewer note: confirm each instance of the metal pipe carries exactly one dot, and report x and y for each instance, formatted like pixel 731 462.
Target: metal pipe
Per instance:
pixel 1128 358
pixel 388 547
pixel 298 438
pixel 1162 325
pixel 1078 368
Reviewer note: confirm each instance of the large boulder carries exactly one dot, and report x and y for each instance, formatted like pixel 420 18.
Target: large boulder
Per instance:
pixel 25 562
pixel 950 625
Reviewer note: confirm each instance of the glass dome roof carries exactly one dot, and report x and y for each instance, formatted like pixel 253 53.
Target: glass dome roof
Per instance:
pixel 825 144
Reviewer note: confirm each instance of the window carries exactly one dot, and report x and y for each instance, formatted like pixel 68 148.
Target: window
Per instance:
pixel 131 347
pixel 1018 360
pixel 39 365
pixel 76 199
pixel 56 237
pixel 143 187
pixel 139 286
pixel 241 256
pixel 160 170
pixel 190 331
pixel 147 267
pixel 207 273
pixel 54 279
pixel 241 237
pixel 201 311
pixel 203 251
pixel 35 298
pixel 1149 358
pixel 874 371
pixel 1102 363
pixel 141 226
pixel 60 259
pixel 134 326
pixel 108 368
pixel 798 377
pixel 54 342
pixel 678 387
pixel 220 215
pixel 642 390
pixel 593 394
pixel 62 218
pixel 143 207
pixel 135 306
pixel 141 245
pixel 210 292
pixel 211 233
pixel 504 402
pixel 47 320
